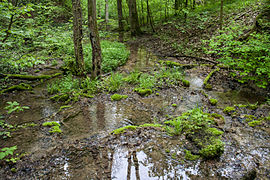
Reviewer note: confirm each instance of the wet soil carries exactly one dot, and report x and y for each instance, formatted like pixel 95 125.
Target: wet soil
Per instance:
pixel 86 149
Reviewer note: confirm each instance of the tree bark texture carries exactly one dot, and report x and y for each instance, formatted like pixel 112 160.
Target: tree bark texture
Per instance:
pixel 106 11
pixel 133 15
pixel 77 36
pixel 94 37
pixel 120 15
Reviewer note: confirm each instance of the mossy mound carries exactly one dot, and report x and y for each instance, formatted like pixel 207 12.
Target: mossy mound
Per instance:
pixel 186 83
pixel 55 126
pixel 118 97
pixel 143 92
pixel 213 102
pixel 198 128
pixel 228 109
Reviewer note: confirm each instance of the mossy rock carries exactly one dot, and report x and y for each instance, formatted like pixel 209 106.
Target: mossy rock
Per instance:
pixel 118 97
pixel 208 86
pixel 254 123
pixel 186 83
pixel 215 149
pixel 51 123
pixel 189 156
pixel 143 92
pixel 55 129
pixel 228 109
pixel 123 129
pixel 215 131
pixel 174 105
pixel 213 102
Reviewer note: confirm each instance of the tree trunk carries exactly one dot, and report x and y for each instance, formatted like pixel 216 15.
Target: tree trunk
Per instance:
pixel 106 11
pixel 142 16
pixel 133 15
pixel 186 5
pixel 77 36
pixel 221 15
pixel 149 16
pixel 176 6
pixel 120 15
pixel 94 37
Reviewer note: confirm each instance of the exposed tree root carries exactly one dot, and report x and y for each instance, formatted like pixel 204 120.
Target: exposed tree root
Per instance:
pixel 19 87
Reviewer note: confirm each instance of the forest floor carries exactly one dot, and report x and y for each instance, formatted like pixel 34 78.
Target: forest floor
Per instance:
pixel 86 148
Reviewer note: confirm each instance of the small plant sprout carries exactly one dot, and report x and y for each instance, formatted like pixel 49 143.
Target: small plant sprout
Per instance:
pixel 15 107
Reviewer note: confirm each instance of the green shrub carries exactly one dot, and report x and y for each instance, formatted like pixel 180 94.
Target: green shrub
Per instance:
pixel 250 57
pixel 114 54
pixel 114 82
pixel 65 85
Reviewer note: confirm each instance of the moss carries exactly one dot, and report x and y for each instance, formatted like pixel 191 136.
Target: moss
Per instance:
pixel 213 150
pixel 118 97
pixel 51 123
pixel 55 129
pixel 14 170
pixel 191 157
pixel 151 125
pixel 174 155
pixel 157 94
pixel 215 131
pixel 213 102
pixel 216 115
pixel 31 77
pixel 60 97
pixel 208 86
pixel 174 105
pixel 86 95
pixel 123 129
pixel 186 83
pixel 204 93
pixel 249 117
pixel 254 123
pixel 205 82
pixel 167 151
pixel 228 109
pixel 20 87
pixel 64 107
pixel 253 106
pixel 143 92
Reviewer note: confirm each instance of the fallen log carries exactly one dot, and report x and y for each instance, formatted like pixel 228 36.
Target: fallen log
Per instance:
pixel 29 77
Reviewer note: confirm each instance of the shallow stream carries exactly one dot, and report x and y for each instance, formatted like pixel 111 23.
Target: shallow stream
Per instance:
pixel 148 155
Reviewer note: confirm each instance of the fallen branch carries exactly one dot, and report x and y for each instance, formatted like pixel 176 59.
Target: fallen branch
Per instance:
pixel 192 57
pixel 20 87
pixel 29 77
pixel 205 82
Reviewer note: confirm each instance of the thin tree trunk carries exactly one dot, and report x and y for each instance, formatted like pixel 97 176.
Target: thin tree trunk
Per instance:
pixel 149 16
pixel 120 15
pixel 186 5
pixel 14 3
pixel 106 11
pixel 77 36
pixel 94 37
pixel 221 15
pixel 142 16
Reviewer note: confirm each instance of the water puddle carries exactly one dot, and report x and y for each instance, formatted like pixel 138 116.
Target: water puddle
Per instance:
pixel 138 165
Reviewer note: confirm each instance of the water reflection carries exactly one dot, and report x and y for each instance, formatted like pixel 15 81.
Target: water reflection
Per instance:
pixel 138 165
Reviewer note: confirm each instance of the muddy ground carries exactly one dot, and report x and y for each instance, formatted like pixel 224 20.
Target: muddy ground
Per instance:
pixel 86 149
